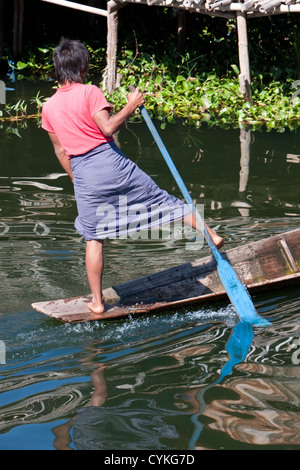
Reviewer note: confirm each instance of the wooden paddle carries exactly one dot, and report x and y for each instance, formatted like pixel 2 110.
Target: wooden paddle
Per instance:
pixel 235 290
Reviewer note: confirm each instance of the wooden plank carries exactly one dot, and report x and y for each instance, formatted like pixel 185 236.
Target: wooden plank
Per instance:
pixel 261 265
pixel 78 6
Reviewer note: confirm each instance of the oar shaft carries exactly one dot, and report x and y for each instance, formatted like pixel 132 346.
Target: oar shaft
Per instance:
pixel 236 292
pixel 178 179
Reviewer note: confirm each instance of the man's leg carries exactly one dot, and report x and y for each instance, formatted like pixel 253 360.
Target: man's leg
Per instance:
pixel 94 268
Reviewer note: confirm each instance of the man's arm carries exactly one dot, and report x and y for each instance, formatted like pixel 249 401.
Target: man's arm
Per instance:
pixel 108 124
pixel 61 154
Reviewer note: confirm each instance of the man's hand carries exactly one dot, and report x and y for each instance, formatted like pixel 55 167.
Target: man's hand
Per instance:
pixel 136 98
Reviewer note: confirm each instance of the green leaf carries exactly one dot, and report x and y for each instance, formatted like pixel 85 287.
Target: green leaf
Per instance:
pixel 21 65
pixel 205 101
pixel 180 78
pixel 223 111
pixel 235 68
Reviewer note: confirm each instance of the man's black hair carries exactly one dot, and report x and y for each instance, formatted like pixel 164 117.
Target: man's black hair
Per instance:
pixel 71 61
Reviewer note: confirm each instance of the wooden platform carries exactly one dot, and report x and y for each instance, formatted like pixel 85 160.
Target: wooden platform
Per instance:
pixel 261 265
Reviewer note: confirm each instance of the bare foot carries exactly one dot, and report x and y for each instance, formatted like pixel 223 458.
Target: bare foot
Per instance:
pixel 218 241
pixel 97 309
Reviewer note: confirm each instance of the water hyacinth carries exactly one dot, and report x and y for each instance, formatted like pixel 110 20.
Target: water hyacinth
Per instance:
pixel 177 91
pixel 211 99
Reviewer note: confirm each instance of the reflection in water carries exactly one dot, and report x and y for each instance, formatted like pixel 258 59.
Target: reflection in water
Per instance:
pixel 264 411
pixel 145 429
pixel 146 381
pixel 62 432
pixel 136 424
pixel 237 347
pixel 174 381
pixel 259 410
pixel 262 406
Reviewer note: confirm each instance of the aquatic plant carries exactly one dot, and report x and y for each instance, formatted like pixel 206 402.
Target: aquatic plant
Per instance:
pixel 207 97
pixel 18 112
pixel 38 63
pixel 174 91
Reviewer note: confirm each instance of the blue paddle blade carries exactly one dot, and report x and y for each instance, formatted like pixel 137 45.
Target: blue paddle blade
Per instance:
pixel 238 295
pixel 237 347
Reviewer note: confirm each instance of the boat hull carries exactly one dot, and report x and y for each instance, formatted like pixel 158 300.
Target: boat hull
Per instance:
pixel 261 265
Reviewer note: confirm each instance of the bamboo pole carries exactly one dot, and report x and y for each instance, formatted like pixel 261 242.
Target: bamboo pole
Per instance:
pixel 205 6
pixel 244 76
pixel 218 4
pixel 78 6
pixel 268 5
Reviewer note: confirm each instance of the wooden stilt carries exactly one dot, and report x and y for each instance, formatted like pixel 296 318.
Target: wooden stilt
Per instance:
pixel 15 27
pixel 244 77
pixel 110 74
pixel 181 30
pixel 245 137
pixel 1 26
pixel 18 26
pixel 110 81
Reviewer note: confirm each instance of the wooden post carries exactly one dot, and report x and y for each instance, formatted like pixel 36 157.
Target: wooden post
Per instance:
pixel 15 27
pixel 244 77
pixel 18 26
pixel 181 30
pixel 245 137
pixel 111 51
pixel 1 26
pixel 110 82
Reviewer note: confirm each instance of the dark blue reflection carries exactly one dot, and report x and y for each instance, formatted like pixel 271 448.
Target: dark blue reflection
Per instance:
pixel 237 347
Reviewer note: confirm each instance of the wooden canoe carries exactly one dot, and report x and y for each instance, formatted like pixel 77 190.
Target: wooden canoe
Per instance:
pixel 260 265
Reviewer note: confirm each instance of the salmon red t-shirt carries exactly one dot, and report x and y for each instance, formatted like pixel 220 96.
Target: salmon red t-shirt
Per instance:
pixel 69 114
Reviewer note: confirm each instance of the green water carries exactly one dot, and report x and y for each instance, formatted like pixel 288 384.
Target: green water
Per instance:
pixel 154 382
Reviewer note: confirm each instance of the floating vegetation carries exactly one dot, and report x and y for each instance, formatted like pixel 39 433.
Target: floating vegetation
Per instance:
pixel 209 98
pixel 177 92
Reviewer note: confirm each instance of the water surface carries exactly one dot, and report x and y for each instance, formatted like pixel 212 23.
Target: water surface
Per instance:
pixel 186 379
